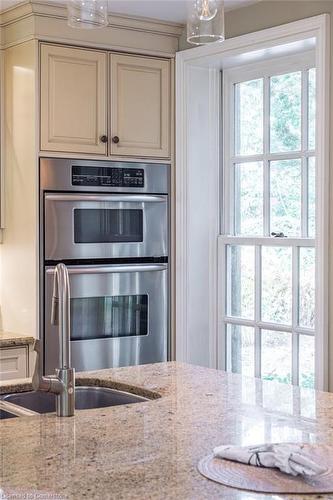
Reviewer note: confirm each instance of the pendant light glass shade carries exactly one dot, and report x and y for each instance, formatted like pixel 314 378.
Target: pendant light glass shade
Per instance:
pixel 205 22
pixel 87 14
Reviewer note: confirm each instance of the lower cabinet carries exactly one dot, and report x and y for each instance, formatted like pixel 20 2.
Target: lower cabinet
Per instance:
pixel 14 362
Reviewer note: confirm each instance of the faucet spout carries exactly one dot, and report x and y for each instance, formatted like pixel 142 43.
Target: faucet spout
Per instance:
pixel 60 313
pixel 62 384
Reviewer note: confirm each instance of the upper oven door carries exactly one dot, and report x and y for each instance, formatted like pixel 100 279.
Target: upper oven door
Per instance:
pixel 100 226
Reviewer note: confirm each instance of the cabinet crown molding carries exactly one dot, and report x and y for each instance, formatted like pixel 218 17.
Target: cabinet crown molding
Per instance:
pixel 47 21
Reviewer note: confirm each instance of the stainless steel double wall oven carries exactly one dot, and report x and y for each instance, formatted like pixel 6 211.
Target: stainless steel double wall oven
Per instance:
pixel 108 222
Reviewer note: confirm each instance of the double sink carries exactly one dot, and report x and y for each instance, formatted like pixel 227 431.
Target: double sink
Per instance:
pixel 86 398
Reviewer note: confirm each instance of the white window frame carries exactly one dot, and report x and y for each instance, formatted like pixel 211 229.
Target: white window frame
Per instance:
pixel 302 62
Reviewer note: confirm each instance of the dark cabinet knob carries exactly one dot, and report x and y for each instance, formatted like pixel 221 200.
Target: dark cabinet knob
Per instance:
pixel 115 139
pixel 104 138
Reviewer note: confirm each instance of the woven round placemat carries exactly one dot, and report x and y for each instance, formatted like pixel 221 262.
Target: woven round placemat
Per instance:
pixel 264 480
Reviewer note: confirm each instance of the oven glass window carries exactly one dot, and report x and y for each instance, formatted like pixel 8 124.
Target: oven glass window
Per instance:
pixel 93 225
pixel 105 317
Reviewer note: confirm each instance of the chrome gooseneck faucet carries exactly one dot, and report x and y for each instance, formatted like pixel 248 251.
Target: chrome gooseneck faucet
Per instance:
pixel 62 384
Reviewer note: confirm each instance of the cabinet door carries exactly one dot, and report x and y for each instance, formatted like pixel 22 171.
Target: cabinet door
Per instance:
pixel 13 363
pixel 140 106
pixel 73 100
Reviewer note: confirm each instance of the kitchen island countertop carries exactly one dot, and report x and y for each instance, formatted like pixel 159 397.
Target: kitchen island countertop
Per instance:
pixel 151 450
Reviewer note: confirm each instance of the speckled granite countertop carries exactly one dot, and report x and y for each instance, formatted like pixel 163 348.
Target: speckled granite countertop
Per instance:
pixel 8 339
pixel 151 450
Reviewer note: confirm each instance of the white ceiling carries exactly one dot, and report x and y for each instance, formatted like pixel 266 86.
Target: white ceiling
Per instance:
pixel 166 10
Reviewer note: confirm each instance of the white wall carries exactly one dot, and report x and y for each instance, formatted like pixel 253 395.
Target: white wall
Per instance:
pixel 18 252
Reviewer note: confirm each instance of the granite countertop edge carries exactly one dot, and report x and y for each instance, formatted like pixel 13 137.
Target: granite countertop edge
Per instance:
pixel 10 339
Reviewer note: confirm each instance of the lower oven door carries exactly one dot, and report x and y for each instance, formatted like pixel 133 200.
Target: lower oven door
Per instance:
pixel 119 316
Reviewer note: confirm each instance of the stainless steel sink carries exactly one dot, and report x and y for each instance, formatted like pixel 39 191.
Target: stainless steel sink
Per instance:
pixel 85 398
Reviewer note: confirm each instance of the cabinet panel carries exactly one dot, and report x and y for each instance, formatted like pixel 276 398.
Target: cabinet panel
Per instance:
pixel 13 363
pixel 140 106
pixel 73 100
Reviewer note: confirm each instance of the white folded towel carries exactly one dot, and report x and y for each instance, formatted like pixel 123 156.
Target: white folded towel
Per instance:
pixel 289 458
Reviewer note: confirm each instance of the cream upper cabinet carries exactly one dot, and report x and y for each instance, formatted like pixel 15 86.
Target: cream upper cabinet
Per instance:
pixel 79 117
pixel 73 100
pixel 139 106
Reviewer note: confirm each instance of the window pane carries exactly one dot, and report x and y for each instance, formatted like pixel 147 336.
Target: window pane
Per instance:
pixel 285 197
pixel 312 109
pixel 240 290
pixel 277 399
pixel 285 112
pixel 249 198
pixel 312 197
pixel 240 342
pixel 306 361
pixel 276 356
pixel 307 287
pixel 276 285
pixel 308 402
pixel 249 117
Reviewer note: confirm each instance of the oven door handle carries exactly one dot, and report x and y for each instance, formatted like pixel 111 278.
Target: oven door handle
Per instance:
pixel 132 198
pixel 121 268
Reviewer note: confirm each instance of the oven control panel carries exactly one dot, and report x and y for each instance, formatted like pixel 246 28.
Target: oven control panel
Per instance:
pixel 107 177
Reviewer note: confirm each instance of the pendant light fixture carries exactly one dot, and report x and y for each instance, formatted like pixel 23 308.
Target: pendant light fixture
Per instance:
pixel 87 14
pixel 205 23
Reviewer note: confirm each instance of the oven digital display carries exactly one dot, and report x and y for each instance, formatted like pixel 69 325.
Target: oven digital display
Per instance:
pixel 107 177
